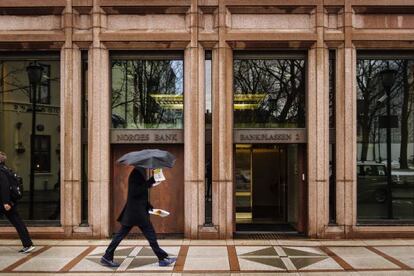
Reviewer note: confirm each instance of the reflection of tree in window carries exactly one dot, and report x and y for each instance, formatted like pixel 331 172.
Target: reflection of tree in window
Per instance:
pixel 14 78
pixel 269 93
pixel 148 93
pixel 371 108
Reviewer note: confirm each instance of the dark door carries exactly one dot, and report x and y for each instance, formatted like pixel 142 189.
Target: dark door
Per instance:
pixel 269 185
pixel 168 196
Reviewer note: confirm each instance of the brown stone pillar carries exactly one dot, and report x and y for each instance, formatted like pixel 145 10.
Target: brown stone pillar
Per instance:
pixel 99 112
pixel 193 129
pixel 71 127
pixel 192 178
pixel 223 141
pixel 318 132
pixel 346 128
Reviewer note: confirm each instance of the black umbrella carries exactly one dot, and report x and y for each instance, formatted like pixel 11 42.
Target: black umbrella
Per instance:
pixel 148 159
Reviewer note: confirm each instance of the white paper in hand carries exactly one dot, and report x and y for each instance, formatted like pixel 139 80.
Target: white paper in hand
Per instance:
pixel 156 184
pixel 159 212
pixel 158 175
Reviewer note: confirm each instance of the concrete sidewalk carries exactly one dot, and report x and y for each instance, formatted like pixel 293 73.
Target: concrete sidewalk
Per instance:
pixel 216 257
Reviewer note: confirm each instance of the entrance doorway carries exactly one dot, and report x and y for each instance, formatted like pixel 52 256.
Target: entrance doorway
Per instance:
pixel 270 187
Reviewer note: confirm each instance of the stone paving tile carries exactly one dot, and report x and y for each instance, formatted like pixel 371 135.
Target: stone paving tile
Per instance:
pixel 385 273
pixel 84 242
pixel 278 273
pixel 168 242
pixel 252 242
pixel 9 255
pixel 207 251
pixel 282 258
pixel 343 243
pixel 10 242
pixel 327 274
pixel 362 258
pixel 298 242
pixel 54 274
pixel 385 242
pixel 208 242
pixel 207 258
pixel 408 241
pixel 53 259
pixel 404 254
pixel 209 264
pixel 268 257
pixel 322 263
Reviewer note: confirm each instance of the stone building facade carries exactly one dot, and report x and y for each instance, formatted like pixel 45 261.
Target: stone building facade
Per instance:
pixel 328 40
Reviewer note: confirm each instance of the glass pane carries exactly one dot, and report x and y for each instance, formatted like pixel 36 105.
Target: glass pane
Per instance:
pixel 208 115
pixel 385 140
pixel 243 183
pixel 332 149
pixel 41 198
pixel 269 93
pixel 84 154
pixel 147 94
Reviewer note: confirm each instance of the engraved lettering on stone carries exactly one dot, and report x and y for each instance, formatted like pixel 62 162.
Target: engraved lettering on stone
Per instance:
pixel 132 137
pixel 166 138
pixel 266 137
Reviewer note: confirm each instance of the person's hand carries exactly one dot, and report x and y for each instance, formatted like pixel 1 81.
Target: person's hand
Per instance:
pixel 156 184
pixel 7 207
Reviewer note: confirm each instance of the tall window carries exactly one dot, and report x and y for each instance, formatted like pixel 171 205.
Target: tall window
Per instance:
pixel 147 91
pixel 385 137
pixel 41 199
pixel 269 91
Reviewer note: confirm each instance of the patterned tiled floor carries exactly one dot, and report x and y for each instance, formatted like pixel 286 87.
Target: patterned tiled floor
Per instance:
pixel 231 257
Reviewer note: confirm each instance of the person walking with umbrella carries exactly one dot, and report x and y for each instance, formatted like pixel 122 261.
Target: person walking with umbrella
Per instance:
pixel 135 212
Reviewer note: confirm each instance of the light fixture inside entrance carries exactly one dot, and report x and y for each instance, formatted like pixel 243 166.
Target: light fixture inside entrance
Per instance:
pixel 248 101
pixel 168 101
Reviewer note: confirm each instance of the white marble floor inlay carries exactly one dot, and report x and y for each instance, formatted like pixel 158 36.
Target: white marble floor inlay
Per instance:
pixel 207 258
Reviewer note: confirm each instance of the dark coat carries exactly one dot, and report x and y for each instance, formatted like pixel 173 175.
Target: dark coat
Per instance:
pixel 4 186
pixel 135 211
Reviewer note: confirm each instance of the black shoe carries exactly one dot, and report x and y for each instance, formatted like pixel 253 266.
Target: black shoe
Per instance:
pixel 27 249
pixel 166 261
pixel 109 263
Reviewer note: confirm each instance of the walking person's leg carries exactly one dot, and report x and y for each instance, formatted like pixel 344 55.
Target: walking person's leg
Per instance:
pixel 148 230
pixel 14 218
pixel 108 258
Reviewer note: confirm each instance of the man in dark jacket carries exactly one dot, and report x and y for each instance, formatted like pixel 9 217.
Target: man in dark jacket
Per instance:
pixel 135 213
pixel 8 207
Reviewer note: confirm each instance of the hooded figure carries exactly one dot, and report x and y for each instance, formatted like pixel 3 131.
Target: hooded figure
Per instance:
pixel 135 213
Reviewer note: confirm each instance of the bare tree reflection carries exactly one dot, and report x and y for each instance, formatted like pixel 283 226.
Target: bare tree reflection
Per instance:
pixel 282 84
pixel 370 106
pixel 135 82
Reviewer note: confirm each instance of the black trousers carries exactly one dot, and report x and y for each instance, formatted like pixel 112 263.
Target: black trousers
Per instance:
pixel 149 233
pixel 13 216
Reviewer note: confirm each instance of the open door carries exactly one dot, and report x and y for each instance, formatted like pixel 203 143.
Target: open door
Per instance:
pixel 270 188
